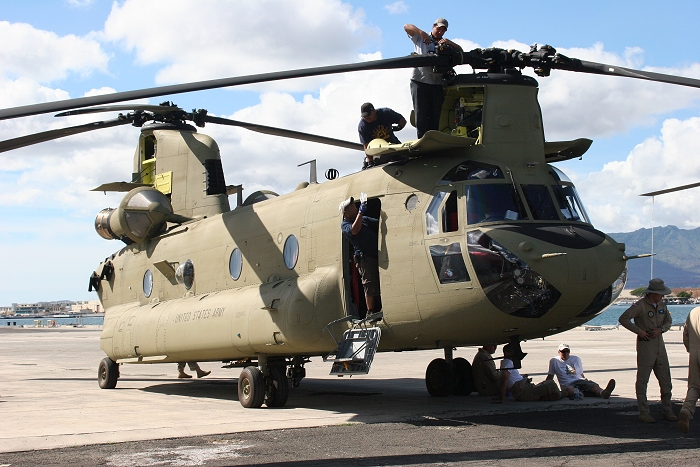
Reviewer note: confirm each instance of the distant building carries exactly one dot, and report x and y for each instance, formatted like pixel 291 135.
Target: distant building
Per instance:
pixel 92 306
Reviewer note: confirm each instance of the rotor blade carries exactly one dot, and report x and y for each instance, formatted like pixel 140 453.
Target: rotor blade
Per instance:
pixel 286 133
pixel 119 108
pixel 612 70
pixel 385 64
pixel 22 141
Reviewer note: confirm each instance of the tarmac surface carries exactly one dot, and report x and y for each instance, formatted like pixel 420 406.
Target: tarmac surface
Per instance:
pixel 52 412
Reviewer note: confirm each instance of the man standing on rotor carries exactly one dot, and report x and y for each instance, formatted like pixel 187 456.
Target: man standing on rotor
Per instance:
pixel 426 86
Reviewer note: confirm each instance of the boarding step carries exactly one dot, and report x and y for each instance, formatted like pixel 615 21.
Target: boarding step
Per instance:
pixel 356 349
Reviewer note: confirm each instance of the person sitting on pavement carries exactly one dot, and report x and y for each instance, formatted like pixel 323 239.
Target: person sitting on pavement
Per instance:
pixel 521 386
pixel 194 366
pixel 487 378
pixel 569 371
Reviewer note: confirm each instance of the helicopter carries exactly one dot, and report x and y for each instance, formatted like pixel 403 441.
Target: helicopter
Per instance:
pixel 481 238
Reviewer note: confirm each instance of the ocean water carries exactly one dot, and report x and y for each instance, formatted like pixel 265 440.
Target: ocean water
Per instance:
pixel 609 317
pixel 73 321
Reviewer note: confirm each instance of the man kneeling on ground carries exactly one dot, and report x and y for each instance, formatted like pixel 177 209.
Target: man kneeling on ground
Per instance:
pixel 569 371
pixel 521 387
pixel 487 378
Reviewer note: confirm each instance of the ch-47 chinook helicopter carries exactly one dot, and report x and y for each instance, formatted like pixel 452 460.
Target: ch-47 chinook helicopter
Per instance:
pixel 481 239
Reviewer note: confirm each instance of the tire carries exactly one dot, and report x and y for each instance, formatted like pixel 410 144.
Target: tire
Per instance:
pixel 439 378
pixel 464 379
pixel 276 387
pixel 107 373
pixel 251 387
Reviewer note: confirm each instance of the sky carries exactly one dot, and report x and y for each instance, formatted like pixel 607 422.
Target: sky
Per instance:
pixel 646 135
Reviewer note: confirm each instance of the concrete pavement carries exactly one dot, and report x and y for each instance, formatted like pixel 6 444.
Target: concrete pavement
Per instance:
pixel 49 396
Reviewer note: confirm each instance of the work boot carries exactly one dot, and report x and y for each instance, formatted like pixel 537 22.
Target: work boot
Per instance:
pixel 183 375
pixel 646 418
pixel 684 422
pixel 670 417
pixel 202 373
pixel 608 389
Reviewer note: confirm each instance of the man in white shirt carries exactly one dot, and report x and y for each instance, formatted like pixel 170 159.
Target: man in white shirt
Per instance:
pixel 569 371
pixel 520 387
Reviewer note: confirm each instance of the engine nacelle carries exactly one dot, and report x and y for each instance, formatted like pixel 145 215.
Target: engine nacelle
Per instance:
pixel 142 214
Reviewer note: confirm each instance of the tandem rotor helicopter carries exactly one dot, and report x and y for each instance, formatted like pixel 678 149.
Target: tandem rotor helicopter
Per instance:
pixel 481 238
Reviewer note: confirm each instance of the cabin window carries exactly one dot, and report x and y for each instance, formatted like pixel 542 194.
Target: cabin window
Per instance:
pixel 449 263
pixel 184 274
pixel 291 252
pixel 493 202
pixel 540 203
pixel 148 283
pixel 235 264
pixel 472 170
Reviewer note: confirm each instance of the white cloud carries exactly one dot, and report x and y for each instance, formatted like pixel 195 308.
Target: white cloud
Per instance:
pixel 612 195
pixel 196 40
pixel 396 8
pixel 43 56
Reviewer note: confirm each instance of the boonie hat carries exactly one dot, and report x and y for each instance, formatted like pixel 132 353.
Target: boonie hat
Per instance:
pixel 657 286
pixel 346 203
pixel 563 347
pixel 440 22
pixel 366 109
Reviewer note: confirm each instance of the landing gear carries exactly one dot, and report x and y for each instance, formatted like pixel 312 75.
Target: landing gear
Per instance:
pixel 108 373
pixel 251 387
pixel 446 376
pixel 276 387
pixel 439 378
pixel 464 380
pixel 255 388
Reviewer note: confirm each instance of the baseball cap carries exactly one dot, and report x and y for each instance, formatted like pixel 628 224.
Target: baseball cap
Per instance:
pixel 366 109
pixel 346 203
pixel 563 347
pixel 440 22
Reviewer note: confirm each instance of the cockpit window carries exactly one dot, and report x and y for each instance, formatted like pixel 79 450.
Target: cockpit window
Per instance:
pixel 447 211
pixel 558 175
pixel 472 170
pixel 540 203
pixel 569 203
pixel 493 202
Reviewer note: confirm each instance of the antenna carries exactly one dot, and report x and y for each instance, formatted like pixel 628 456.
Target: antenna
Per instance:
pixel 312 170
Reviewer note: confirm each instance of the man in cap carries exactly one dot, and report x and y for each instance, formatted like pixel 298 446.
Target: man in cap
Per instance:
pixel 569 371
pixel 363 231
pixel 521 386
pixel 426 86
pixel 379 124
pixel 651 319
pixel 691 340
pixel 487 378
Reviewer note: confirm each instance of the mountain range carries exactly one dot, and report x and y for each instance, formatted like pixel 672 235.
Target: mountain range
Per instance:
pixel 676 260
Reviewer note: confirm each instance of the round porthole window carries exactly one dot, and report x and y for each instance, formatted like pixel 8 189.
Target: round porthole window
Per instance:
pixel 148 283
pixel 184 274
pixel 411 202
pixel 291 252
pixel 235 264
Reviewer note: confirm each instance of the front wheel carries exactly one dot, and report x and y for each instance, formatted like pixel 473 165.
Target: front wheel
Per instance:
pixel 464 379
pixel 276 387
pixel 251 387
pixel 439 378
pixel 108 373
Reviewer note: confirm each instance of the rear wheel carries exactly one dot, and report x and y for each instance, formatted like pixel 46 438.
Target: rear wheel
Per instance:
pixel 276 387
pixel 108 373
pixel 464 379
pixel 439 378
pixel 251 387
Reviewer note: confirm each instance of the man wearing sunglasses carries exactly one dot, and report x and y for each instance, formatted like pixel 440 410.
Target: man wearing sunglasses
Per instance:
pixel 569 371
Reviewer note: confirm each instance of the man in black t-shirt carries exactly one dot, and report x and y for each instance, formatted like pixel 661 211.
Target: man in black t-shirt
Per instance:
pixel 379 124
